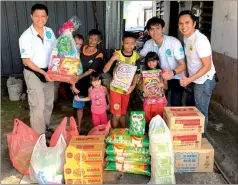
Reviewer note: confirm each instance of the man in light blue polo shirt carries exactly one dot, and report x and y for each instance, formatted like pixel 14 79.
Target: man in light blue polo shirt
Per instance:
pixel 36 44
pixel 171 56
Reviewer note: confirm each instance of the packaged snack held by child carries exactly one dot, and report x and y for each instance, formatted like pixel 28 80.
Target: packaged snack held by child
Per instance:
pixel 130 168
pixel 122 136
pixel 65 62
pixel 151 78
pixel 122 150
pixel 137 123
pixel 123 76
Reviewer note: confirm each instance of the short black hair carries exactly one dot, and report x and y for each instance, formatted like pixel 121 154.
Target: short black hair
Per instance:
pixel 149 57
pixel 79 36
pixel 95 32
pixel 190 13
pixel 155 21
pixel 95 76
pixel 128 34
pixel 39 7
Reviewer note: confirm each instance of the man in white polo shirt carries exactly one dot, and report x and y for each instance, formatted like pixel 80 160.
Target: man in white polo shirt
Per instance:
pixel 171 55
pixel 35 48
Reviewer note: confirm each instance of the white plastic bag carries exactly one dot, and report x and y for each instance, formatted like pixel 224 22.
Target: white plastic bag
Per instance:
pixel 47 163
pixel 161 150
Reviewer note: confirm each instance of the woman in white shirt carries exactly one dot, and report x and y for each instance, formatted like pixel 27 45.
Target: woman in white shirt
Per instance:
pixel 199 62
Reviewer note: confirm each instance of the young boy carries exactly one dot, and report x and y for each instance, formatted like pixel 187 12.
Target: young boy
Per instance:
pixel 92 61
pixel 119 100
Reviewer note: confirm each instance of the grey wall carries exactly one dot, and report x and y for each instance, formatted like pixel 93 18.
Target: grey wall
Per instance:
pixel 15 19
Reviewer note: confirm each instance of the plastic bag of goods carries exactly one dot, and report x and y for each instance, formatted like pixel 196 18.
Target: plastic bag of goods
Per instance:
pixel 65 61
pixel 122 136
pixel 129 168
pixel 151 78
pixel 161 150
pixel 123 76
pixel 47 163
pixel 137 123
pixel 136 159
pixel 122 150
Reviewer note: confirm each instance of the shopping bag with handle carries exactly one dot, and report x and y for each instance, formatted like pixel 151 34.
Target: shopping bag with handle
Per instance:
pixel 101 129
pixel 67 132
pixel 21 142
pixel 47 163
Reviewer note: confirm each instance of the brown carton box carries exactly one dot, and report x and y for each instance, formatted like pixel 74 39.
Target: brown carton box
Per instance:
pixel 186 140
pixel 194 160
pixel 184 119
pixel 84 152
pixel 82 170
pixel 88 139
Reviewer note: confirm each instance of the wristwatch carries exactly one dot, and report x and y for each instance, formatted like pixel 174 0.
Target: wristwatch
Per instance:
pixel 174 72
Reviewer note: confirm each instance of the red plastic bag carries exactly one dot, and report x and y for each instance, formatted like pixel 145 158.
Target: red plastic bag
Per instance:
pixel 101 129
pixel 20 145
pixel 66 132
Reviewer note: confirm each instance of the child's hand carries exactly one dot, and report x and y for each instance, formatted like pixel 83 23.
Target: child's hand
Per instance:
pixel 147 92
pixel 160 85
pixel 131 88
pixel 76 97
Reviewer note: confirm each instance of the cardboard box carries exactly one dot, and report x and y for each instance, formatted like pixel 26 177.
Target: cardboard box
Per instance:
pixel 84 152
pixel 95 139
pixel 87 180
pixel 82 170
pixel 195 160
pixel 181 109
pixel 185 140
pixel 186 120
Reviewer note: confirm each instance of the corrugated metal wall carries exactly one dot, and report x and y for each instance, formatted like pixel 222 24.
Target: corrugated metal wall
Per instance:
pixel 15 19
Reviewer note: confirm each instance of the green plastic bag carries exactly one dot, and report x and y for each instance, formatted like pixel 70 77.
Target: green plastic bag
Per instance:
pixel 130 168
pixel 137 123
pixel 122 136
pixel 139 159
pixel 127 150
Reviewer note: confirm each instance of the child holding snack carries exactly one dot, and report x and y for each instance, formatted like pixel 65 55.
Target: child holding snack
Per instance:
pixel 97 94
pixel 92 61
pixel 119 99
pixel 153 86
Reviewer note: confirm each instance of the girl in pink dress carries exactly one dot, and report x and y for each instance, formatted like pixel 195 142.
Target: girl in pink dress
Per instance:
pixel 97 94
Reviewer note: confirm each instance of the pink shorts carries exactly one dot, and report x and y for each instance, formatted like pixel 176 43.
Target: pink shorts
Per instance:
pixel 99 119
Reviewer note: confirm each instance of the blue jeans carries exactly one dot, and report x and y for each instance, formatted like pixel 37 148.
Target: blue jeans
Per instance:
pixel 176 92
pixel 202 95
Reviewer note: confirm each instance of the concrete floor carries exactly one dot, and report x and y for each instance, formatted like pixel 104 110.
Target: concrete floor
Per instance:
pixel 225 149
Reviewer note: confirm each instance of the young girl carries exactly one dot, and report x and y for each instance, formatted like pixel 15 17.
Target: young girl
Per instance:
pixel 153 104
pixel 97 94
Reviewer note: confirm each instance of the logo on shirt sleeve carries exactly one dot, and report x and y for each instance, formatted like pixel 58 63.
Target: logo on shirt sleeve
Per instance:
pixel 181 50
pixel 168 52
pixel 48 34
pixel 22 50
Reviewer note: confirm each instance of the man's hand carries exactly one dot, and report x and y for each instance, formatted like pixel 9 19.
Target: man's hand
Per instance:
pixel 48 78
pixel 131 89
pixel 167 75
pixel 185 81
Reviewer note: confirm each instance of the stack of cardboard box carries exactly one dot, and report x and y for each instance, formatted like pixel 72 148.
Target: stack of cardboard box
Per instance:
pixel 191 152
pixel 84 160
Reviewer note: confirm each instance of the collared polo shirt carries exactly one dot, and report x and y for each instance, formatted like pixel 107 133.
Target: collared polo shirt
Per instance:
pixel 197 46
pixel 170 52
pixel 39 50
